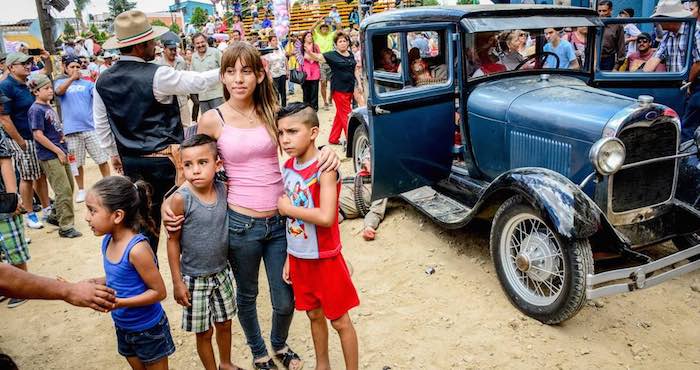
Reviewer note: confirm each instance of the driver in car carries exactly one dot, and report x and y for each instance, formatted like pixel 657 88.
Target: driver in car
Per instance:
pixel 562 48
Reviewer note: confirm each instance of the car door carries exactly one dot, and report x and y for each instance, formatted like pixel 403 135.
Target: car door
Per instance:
pixel 411 125
pixel 667 87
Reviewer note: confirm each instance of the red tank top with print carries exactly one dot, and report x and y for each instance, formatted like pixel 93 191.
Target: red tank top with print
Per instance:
pixel 305 240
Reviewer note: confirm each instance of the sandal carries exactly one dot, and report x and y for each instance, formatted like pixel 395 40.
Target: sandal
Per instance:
pixel 267 365
pixel 289 356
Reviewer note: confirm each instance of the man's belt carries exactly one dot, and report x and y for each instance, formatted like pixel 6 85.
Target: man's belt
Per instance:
pixel 167 152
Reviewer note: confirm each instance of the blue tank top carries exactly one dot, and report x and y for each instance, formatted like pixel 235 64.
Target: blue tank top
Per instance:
pixel 126 281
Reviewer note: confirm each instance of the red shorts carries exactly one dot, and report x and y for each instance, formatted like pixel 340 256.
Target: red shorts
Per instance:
pixel 323 283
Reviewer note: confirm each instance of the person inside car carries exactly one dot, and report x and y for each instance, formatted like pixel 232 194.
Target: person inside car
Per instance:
pixel 388 61
pixel 562 48
pixel 422 73
pixel 487 54
pixel 512 42
pixel 638 59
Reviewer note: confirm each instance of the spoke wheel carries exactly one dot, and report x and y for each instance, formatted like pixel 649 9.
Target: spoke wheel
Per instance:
pixel 543 274
pixel 361 146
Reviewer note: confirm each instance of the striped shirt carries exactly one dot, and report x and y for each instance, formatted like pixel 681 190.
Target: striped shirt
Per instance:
pixel 674 47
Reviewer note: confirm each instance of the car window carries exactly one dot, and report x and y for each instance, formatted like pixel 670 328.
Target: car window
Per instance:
pixel 646 47
pixel 426 58
pixel 386 57
pixel 508 50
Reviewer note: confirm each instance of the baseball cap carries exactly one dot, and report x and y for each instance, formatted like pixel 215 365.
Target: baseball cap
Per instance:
pixel 38 81
pixel 70 58
pixel 108 55
pixel 644 35
pixel 170 44
pixel 14 58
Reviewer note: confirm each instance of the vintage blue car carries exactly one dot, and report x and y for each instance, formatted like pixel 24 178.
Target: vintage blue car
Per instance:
pixel 485 112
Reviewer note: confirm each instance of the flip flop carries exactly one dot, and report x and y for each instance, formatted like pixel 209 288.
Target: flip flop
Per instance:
pixel 289 356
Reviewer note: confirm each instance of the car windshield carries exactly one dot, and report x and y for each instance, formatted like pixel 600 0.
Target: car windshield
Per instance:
pixel 527 49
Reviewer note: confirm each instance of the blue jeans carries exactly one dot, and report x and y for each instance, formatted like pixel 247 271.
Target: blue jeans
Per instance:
pixel 250 241
pixel 149 345
pixel 691 117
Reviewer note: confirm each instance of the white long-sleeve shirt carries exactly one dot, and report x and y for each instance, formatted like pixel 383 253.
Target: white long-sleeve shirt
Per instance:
pixel 167 82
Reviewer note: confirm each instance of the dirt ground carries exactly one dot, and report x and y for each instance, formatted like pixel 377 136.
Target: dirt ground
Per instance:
pixel 456 318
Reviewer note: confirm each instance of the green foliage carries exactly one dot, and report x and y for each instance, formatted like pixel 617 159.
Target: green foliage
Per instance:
pixel 102 37
pixel 94 30
pixel 158 22
pixel 119 6
pixel 228 18
pixel 199 16
pixel 69 30
pixel 430 2
pixel 175 28
pixel 467 2
pixel 80 4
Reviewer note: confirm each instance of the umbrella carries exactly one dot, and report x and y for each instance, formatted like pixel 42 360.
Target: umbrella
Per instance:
pixel 170 35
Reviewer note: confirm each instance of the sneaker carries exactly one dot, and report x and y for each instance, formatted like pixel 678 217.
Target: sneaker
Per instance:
pixel 32 221
pixel 14 302
pixel 80 197
pixel 70 233
pixel 2 298
pixel 52 219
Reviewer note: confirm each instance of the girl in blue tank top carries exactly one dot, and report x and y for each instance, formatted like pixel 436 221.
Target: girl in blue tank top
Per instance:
pixel 118 209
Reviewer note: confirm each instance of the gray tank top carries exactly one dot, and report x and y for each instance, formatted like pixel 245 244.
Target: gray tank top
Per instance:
pixel 204 238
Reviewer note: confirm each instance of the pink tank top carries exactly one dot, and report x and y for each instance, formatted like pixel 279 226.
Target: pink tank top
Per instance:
pixel 252 167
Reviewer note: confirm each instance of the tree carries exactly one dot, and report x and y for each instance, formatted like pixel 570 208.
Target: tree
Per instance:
pixel 199 16
pixel 174 28
pixel 158 22
pixel 79 7
pixel 94 30
pixel 68 30
pixel 117 7
pixel 430 2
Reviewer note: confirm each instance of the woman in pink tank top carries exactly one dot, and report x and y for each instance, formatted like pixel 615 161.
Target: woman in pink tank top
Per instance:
pixel 246 133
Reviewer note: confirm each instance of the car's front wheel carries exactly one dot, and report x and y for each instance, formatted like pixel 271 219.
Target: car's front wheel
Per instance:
pixel 543 275
pixel 360 146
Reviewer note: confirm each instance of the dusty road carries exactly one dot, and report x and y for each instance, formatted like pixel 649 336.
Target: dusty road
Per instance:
pixel 456 318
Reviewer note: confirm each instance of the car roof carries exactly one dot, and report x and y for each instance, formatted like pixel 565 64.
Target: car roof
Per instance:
pixel 456 13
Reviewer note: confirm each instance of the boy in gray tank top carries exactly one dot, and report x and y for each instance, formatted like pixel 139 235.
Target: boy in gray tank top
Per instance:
pixel 197 253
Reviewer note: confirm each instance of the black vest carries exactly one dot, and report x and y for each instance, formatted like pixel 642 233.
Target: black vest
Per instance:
pixel 140 124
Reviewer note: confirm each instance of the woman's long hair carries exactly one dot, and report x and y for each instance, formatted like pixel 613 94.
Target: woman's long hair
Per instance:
pixel 264 96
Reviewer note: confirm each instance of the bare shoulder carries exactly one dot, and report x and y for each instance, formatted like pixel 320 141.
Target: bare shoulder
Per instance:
pixel 210 124
pixel 141 254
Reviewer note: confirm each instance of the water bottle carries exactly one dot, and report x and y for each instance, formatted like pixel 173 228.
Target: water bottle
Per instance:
pixel 73 164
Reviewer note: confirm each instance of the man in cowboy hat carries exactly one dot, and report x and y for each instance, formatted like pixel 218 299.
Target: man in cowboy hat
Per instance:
pixel 673 49
pixel 136 115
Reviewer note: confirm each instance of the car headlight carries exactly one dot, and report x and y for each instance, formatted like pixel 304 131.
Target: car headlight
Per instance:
pixel 607 155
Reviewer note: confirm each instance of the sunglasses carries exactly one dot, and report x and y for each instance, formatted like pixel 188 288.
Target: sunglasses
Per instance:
pixel 27 63
pixel 640 41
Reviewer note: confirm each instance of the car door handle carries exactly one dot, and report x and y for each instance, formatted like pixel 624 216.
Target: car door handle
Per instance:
pixel 380 111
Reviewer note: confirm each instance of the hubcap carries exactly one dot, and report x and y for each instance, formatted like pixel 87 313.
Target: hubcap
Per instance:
pixel 532 259
pixel 362 148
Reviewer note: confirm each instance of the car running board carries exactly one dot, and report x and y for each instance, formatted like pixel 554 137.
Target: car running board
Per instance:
pixel 439 207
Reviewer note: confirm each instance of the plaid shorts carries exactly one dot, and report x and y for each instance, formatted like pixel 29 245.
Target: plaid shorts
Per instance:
pixel 26 161
pixel 211 299
pixel 13 244
pixel 80 142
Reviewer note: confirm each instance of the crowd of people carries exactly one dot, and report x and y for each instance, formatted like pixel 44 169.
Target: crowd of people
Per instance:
pixel 126 105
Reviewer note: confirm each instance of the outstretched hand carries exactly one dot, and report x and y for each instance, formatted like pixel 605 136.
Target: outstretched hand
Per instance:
pixel 96 296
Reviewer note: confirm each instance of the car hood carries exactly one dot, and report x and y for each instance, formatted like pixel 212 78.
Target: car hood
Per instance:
pixel 560 105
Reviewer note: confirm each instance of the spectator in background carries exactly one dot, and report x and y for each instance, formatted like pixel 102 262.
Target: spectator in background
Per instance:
pixel 614 49
pixel 562 48
pixel 235 36
pixel 335 16
pixel 209 27
pixel 80 48
pixel 237 8
pixel 353 17
pixel 630 29
pixel 108 58
pixel 205 59
pixel 89 44
pixel 237 25
pixel 170 58
pixel 256 26
pixel 223 44
pixel 637 60
pixel 190 30
pixel 4 71
pixel 52 153
pixel 266 23
pixel 323 37
pixel 75 96
pixel 69 47
pixel 342 64
pixel 16 125
pixel 358 94
pixel 277 67
pixel 291 50
pixel 310 56
pixel 253 9
pixel 578 39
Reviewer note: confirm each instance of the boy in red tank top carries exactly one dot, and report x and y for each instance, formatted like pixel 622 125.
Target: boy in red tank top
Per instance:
pixel 315 267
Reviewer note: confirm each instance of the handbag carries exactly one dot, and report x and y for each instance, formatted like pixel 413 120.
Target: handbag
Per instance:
pixel 8 202
pixel 297 76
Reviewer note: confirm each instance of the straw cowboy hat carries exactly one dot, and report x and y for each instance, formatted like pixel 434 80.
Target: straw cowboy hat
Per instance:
pixel 671 8
pixel 131 28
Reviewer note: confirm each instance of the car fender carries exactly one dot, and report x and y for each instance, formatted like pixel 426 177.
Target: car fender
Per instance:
pixel 688 185
pixel 358 116
pixel 561 202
